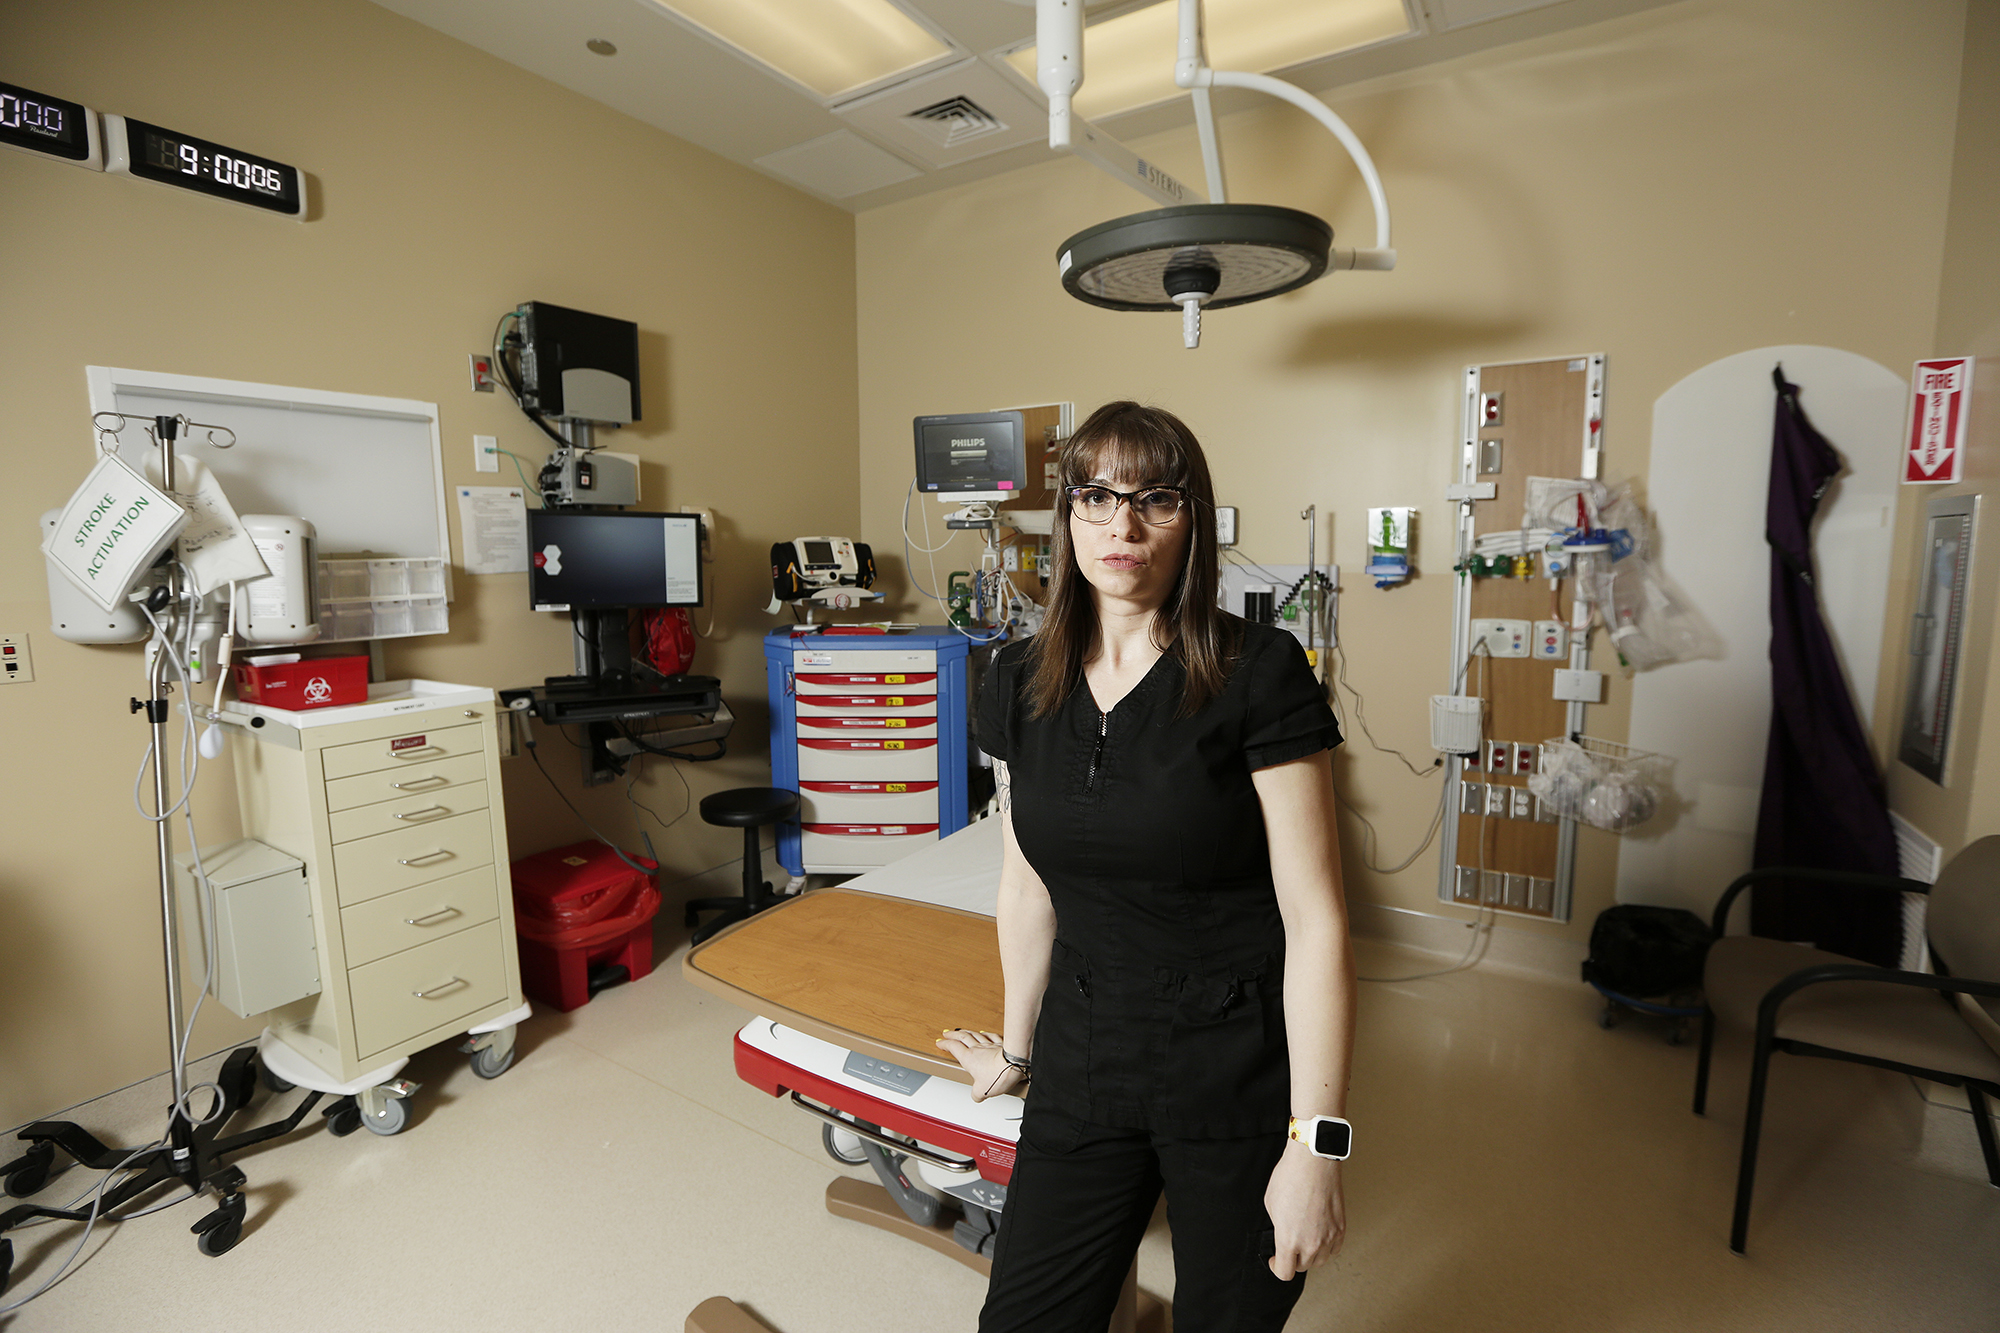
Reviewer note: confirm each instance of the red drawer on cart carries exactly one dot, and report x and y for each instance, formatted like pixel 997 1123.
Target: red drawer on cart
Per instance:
pixel 867 788
pixel 815 681
pixel 912 701
pixel 926 725
pixel 867 743
pixel 871 830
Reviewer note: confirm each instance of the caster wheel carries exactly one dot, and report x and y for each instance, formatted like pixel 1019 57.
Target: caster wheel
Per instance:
pixel 1607 1018
pixel 220 1239
pixel 488 1064
pixel 343 1122
pixel 842 1146
pixel 31 1172
pixel 272 1083
pixel 394 1115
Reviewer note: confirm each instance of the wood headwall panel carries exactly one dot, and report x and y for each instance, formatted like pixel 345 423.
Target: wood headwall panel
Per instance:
pixel 1543 408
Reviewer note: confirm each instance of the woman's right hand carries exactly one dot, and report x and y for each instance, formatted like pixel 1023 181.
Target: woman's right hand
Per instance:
pixel 980 1055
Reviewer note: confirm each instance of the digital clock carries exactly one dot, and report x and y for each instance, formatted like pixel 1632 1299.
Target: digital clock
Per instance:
pixel 169 157
pixel 49 127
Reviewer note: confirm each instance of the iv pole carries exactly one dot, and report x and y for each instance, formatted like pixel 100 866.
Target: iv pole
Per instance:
pixel 191 1153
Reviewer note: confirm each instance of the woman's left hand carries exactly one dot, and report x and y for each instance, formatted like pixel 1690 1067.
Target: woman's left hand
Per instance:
pixel 1308 1213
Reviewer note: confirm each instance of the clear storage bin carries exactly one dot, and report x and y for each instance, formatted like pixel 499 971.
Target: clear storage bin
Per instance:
pixel 382 597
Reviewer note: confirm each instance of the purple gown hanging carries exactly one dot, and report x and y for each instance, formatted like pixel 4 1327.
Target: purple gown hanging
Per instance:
pixel 1824 804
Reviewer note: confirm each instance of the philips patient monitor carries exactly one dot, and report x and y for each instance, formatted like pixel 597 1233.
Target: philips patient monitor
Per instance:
pixel 972 456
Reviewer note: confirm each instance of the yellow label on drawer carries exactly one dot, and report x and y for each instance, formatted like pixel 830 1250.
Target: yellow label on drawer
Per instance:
pixel 895 722
pixel 894 701
pixel 894 745
pixel 894 680
pixel 895 786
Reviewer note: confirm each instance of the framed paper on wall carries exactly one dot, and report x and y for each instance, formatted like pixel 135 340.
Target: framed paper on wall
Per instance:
pixel 1936 626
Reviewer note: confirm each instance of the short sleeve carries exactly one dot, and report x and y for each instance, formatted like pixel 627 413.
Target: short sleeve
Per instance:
pixel 995 708
pixel 1286 714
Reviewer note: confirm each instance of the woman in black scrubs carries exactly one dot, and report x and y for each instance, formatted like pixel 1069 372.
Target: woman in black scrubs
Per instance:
pixel 1172 930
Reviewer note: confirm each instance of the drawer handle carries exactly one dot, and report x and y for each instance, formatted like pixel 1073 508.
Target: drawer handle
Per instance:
pixel 424 783
pixel 441 914
pixel 428 812
pixel 436 990
pixel 420 751
pixel 439 855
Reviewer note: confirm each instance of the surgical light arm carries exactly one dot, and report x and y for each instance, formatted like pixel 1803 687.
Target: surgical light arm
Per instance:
pixel 1060 73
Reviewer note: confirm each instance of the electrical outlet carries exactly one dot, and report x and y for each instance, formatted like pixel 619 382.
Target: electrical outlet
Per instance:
pixel 482 372
pixel 1499 756
pixel 1544 812
pixel 1010 558
pixel 1523 803
pixel 16 667
pixel 1524 759
pixel 486 452
pixel 1496 800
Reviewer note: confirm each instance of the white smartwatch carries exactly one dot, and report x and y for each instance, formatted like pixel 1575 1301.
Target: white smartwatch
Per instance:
pixel 1324 1136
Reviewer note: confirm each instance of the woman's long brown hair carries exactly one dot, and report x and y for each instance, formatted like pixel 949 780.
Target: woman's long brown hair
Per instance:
pixel 1149 446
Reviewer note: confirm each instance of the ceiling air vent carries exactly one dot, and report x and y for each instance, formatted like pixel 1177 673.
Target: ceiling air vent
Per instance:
pixel 954 121
pixel 952 115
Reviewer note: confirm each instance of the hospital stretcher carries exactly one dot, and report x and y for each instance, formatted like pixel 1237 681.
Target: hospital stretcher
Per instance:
pixel 852 987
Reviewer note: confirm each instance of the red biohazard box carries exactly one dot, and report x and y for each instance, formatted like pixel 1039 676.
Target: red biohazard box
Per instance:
pixel 579 909
pixel 318 682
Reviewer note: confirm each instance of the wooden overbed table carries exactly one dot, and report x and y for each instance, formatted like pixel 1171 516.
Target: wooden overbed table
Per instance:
pixel 883 976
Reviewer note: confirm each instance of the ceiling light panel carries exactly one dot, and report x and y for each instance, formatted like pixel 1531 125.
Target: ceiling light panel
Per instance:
pixel 833 49
pixel 1129 60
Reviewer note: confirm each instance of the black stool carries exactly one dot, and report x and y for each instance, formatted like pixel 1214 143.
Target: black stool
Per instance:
pixel 750 809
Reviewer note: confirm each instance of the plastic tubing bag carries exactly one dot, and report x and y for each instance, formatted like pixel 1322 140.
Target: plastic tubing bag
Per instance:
pixel 1598 782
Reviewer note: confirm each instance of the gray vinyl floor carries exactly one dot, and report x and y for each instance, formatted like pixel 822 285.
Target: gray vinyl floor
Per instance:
pixel 1516 1168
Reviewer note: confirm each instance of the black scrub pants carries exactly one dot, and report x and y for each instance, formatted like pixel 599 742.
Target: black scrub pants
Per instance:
pixel 1080 1199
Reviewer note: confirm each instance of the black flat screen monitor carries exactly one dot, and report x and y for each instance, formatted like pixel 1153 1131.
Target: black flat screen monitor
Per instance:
pixel 972 456
pixel 579 559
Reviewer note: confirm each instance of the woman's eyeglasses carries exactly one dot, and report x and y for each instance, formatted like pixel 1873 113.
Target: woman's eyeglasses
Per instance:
pixel 1156 505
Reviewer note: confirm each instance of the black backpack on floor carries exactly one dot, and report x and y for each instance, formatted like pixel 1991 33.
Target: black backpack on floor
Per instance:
pixel 1639 951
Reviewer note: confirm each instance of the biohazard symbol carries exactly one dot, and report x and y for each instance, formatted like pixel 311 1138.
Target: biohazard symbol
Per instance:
pixel 318 691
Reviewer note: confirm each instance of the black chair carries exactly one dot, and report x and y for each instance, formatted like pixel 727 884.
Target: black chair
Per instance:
pixel 750 809
pixel 1933 1025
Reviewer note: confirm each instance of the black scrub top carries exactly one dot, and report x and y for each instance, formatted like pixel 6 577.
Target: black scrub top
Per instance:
pixel 1165 1004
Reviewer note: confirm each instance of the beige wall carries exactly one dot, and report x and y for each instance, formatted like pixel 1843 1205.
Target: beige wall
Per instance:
pixel 1967 804
pixel 449 186
pixel 1667 188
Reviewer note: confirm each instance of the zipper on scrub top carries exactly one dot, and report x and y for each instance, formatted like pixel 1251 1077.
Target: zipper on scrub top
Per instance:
pixel 1097 751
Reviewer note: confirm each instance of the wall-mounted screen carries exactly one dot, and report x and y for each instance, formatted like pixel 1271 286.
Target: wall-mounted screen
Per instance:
pixel 972 456
pixel 612 558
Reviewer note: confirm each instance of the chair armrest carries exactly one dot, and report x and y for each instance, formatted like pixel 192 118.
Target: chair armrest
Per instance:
pixel 1858 879
pixel 1767 1008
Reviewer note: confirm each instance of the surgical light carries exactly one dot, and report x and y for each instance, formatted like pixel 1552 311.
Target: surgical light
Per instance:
pixel 1189 255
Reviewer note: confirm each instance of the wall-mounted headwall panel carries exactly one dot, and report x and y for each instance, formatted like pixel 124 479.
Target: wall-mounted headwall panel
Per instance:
pixel 367 471
pixel 1529 419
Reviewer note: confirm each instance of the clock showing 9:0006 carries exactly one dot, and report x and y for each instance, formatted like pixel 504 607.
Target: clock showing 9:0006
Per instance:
pixel 173 158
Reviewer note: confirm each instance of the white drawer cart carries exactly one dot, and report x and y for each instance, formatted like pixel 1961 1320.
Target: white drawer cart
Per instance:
pixel 394 807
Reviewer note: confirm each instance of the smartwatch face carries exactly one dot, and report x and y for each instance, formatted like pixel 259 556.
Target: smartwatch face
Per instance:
pixel 1331 1138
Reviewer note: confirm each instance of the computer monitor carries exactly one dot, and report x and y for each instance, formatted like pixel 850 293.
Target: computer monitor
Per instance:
pixel 972 456
pixel 606 559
